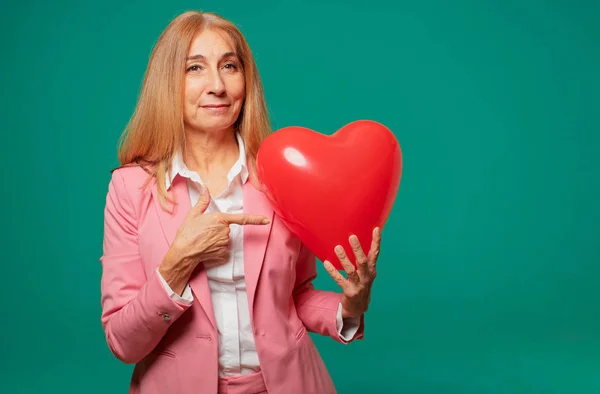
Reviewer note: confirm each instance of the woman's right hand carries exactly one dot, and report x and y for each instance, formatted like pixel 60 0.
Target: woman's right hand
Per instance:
pixel 202 238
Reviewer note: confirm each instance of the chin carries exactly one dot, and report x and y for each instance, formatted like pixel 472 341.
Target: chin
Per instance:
pixel 212 124
pixel 215 127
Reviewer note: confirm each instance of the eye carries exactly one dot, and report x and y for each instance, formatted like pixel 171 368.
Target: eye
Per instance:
pixel 231 66
pixel 194 67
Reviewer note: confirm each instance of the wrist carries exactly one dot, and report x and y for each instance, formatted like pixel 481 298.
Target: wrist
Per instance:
pixel 176 257
pixel 174 264
pixel 345 313
pixel 176 275
pixel 350 313
pixel 169 261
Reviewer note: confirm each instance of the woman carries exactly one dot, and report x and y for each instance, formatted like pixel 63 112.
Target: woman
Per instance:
pixel 203 288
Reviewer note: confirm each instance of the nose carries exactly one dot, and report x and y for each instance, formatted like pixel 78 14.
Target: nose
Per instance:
pixel 216 86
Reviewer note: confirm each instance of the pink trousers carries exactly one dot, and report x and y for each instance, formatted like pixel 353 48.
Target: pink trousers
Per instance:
pixel 247 384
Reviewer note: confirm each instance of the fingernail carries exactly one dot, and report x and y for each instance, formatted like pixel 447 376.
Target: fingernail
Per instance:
pixel 338 249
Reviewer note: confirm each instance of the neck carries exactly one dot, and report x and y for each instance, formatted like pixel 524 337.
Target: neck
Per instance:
pixel 207 152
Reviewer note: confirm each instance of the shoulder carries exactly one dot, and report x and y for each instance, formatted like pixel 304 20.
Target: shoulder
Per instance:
pixel 131 180
pixel 128 192
pixel 132 173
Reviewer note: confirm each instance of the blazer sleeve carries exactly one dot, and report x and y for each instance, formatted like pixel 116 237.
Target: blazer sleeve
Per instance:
pixel 136 310
pixel 317 308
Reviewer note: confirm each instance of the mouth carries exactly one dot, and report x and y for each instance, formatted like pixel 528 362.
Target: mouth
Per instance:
pixel 215 106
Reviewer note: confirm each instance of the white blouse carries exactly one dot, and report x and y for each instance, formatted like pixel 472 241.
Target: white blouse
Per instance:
pixel 237 350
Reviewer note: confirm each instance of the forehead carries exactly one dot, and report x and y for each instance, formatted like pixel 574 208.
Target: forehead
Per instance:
pixel 210 43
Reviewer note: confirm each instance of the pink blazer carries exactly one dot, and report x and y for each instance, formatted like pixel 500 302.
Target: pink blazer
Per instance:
pixel 174 346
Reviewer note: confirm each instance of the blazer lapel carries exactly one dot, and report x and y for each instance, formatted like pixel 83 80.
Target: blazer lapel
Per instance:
pixel 255 238
pixel 171 222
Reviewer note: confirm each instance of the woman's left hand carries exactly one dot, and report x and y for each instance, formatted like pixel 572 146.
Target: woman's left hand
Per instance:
pixel 357 287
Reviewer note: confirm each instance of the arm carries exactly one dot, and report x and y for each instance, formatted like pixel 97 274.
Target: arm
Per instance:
pixel 319 310
pixel 136 310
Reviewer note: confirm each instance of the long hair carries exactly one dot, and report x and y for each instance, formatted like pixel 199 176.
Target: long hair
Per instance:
pixel 156 129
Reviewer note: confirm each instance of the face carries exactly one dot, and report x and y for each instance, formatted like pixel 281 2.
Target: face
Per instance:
pixel 214 83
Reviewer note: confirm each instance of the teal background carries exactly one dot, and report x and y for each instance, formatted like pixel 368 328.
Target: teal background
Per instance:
pixel 490 267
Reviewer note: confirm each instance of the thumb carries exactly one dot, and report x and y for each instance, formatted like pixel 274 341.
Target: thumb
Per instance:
pixel 203 200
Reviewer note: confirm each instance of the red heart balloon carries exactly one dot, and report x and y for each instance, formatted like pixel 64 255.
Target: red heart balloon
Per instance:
pixel 326 188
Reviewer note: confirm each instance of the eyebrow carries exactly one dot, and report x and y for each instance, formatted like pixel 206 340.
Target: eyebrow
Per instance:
pixel 201 57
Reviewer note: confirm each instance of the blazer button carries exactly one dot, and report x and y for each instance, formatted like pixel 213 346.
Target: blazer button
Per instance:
pixel 166 317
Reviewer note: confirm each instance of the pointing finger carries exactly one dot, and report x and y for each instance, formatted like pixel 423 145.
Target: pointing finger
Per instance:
pixel 243 219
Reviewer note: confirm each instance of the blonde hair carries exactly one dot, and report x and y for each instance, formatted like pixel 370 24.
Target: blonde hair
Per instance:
pixel 156 129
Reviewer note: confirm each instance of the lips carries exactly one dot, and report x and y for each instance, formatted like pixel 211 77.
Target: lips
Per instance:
pixel 215 106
